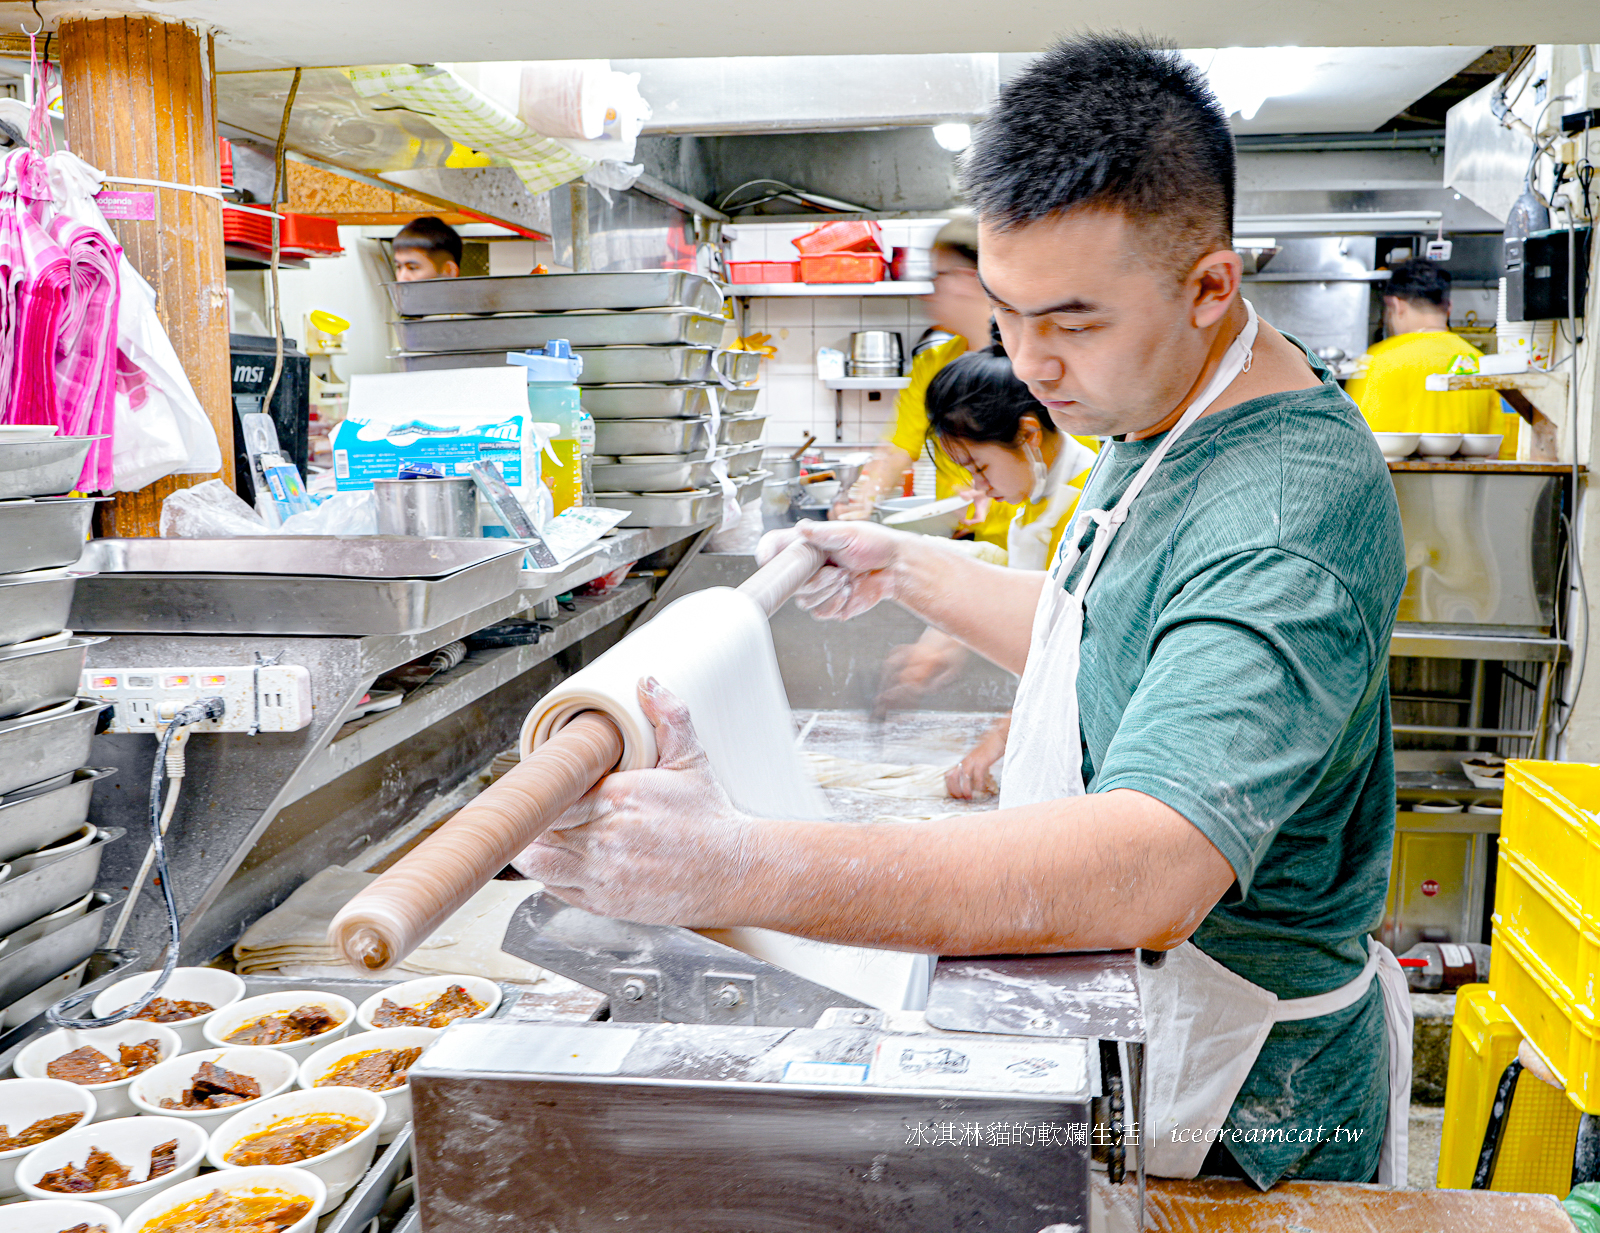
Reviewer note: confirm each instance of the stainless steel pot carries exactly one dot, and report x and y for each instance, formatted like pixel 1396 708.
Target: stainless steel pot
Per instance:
pixel 875 353
pixel 427 508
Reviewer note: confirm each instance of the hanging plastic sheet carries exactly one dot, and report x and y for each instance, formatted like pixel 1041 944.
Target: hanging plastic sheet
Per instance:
pixel 475 120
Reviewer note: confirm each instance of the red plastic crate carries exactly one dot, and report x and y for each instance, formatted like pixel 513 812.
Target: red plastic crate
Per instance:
pixel 841 237
pixel 747 271
pixel 299 235
pixel 842 268
pixel 780 271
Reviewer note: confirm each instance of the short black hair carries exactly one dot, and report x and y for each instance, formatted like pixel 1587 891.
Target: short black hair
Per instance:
pixel 1419 281
pixel 431 235
pixel 977 397
pixel 1106 121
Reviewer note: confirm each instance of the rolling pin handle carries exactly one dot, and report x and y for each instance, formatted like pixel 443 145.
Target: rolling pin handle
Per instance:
pixel 773 584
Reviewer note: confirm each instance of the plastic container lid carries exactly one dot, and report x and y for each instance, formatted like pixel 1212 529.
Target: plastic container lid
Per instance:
pixel 553 365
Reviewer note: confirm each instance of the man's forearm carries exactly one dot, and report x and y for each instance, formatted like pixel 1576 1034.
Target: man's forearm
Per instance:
pixel 986 607
pixel 1100 872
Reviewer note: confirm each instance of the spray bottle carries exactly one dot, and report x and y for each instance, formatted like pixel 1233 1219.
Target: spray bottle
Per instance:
pixel 553 399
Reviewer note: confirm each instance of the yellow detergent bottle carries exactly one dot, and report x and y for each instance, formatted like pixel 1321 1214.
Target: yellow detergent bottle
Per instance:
pixel 553 398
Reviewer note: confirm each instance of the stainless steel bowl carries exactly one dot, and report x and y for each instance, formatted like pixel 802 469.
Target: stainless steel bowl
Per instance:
pixel 30 679
pixel 43 534
pixel 42 468
pixel 36 605
pixel 36 817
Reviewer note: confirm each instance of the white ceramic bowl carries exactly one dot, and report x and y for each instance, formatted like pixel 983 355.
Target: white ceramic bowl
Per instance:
pixel 425 989
pixel 1480 444
pixel 210 985
pixel 1398 445
pixel 229 1019
pixel 24 1102
pixel 130 1140
pixel 396 1100
pixel 111 1099
pixel 273 1069
pixel 299 1183
pixel 339 1169
pixel 54 1215
pixel 1437 807
pixel 1436 445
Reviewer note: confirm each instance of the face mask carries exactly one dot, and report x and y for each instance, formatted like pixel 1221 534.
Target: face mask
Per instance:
pixel 1040 472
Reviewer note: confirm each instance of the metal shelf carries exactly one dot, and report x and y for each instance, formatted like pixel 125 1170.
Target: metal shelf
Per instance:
pixel 783 289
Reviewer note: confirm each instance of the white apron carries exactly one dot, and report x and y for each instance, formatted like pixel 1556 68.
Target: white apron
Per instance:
pixel 1206 1024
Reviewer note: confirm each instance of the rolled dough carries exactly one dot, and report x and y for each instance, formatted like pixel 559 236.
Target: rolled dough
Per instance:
pixel 713 649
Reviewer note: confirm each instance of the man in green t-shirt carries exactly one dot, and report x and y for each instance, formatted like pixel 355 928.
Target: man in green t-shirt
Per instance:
pixel 1200 760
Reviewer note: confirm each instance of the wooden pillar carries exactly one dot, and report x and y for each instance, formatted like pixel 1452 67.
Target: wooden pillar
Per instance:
pixel 140 97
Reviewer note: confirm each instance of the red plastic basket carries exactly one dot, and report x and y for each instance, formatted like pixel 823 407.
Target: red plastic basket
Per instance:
pixel 857 236
pixel 842 268
pixel 300 235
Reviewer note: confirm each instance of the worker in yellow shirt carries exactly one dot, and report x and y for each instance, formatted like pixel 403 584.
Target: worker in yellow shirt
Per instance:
pixel 1390 387
pixel 958 304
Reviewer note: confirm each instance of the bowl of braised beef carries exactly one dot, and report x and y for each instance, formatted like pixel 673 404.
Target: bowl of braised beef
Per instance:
pixel 298 1022
pixel 119 1163
pixel 330 1131
pixel 184 1004
pixel 211 1085
pixel 104 1060
pixel 33 1111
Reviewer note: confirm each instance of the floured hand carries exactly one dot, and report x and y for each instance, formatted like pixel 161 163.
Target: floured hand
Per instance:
pixel 661 847
pixel 863 558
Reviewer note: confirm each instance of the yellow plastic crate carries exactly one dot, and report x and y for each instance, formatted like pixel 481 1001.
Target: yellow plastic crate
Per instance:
pixel 1545 921
pixel 1483 1042
pixel 1536 1143
pixel 1526 989
pixel 1548 820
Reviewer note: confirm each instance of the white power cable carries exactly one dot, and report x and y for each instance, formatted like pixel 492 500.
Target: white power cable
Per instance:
pixel 175 773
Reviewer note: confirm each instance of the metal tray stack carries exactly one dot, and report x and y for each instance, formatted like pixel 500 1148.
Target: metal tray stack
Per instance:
pixel 667 402
pixel 49 918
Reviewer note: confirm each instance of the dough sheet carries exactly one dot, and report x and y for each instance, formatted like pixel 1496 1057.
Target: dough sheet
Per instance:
pixel 713 649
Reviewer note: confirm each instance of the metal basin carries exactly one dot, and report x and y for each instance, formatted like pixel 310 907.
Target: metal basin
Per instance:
pixel 46 813
pixel 626 365
pixel 36 605
pixel 33 679
pixel 651 436
pixel 35 750
pixel 311 585
pixel 738 402
pixel 53 886
pixel 740 429
pixel 42 468
pixel 546 293
pixel 43 534
pixel 674 476
pixel 25 968
pixel 650 329
pixel 740 366
pixel 637 402
pixel 654 509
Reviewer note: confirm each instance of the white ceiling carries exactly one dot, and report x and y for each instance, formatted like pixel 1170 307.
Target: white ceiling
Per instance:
pixel 334 32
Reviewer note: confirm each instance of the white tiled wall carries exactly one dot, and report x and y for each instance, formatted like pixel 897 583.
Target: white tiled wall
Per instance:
pixel 794 400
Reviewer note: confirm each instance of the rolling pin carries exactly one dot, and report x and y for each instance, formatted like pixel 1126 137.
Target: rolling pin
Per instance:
pixel 392 917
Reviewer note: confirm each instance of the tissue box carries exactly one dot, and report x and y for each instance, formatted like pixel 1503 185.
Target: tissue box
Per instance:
pixel 365 450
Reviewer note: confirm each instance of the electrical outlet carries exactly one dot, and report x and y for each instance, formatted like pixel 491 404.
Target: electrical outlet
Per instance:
pixel 275 698
pixel 1581 107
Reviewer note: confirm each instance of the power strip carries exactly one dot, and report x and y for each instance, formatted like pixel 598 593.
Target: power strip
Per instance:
pixel 273 698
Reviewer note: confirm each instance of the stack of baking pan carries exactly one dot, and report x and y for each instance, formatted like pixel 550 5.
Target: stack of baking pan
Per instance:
pixel 49 851
pixel 668 403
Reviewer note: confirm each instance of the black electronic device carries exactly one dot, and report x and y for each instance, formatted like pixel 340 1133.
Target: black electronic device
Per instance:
pixel 1536 274
pixel 251 359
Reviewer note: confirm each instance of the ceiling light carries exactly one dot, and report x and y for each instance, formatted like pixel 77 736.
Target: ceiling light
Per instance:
pixel 955 137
